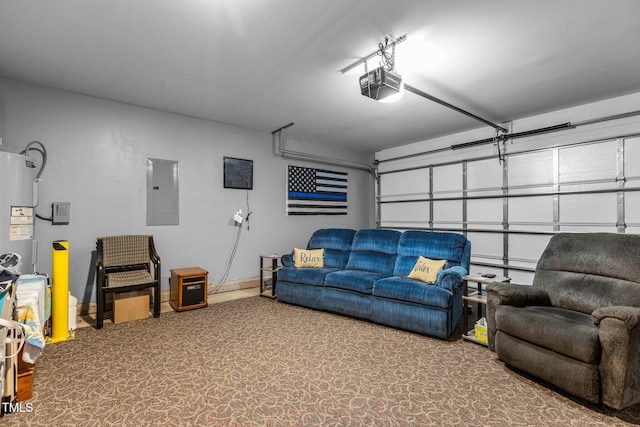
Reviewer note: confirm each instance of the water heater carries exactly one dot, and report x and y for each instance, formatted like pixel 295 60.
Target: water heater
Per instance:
pixel 18 200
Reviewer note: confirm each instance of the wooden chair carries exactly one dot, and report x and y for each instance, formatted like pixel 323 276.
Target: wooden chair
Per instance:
pixel 126 263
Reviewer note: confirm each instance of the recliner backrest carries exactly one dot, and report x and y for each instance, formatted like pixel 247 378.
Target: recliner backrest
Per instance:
pixel 374 250
pixel 432 245
pixel 586 271
pixel 336 243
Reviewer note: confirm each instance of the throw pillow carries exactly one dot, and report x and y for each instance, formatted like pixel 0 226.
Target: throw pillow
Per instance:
pixel 427 269
pixel 308 257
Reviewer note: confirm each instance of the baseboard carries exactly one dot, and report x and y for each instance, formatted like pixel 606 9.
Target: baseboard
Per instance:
pixel 233 285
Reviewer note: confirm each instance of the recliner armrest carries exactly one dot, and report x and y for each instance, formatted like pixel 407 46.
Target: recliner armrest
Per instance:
pixel 287 260
pixel 619 368
pixel 628 315
pixel 500 293
pixel 517 295
pixel 451 277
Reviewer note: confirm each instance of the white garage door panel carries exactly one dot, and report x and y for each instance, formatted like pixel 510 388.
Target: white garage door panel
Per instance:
pixel 525 247
pixel 530 169
pixel 405 185
pixel 408 214
pixel 587 162
pixel 487 210
pixel 632 207
pixel 484 174
pixel 447 178
pixel 588 208
pixel 486 244
pixel 531 209
pixel 447 211
pixel 631 156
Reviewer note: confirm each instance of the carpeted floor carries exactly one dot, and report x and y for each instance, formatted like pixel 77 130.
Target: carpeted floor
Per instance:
pixel 259 362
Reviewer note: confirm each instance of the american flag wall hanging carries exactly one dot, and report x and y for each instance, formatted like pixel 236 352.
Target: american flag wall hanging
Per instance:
pixel 316 191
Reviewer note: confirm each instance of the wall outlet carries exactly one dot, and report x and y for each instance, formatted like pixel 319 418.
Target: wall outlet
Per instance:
pixel 238 216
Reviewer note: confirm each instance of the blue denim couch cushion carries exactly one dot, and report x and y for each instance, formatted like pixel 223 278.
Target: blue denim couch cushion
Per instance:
pixel 353 280
pixel 304 275
pixel 429 244
pixel 413 291
pixel 374 250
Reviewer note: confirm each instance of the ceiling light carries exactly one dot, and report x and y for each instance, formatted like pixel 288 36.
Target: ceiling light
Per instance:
pixel 395 97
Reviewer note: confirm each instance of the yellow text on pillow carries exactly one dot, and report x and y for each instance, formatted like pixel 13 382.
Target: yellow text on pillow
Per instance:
pixel 427 269
pixel 308 257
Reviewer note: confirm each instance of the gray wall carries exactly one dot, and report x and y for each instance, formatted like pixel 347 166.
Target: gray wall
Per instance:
pixel 97 153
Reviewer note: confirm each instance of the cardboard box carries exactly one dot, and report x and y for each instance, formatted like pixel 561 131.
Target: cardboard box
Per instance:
pixel 129 306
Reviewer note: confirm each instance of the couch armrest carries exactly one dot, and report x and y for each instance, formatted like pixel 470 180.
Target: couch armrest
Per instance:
pixel 287 260
pixel 451 278
pixel 500 293
pixel 619 332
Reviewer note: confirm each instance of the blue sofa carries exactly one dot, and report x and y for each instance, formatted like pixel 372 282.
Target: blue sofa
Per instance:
pixel 365 276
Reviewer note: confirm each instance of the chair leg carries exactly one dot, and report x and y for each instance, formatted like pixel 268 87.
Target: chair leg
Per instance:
pixel 156 300
pixel 100 308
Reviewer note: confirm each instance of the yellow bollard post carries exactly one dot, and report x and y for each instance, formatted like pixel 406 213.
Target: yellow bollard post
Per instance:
pixel 60 292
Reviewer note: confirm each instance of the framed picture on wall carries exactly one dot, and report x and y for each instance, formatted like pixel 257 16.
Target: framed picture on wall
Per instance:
pixel 238 173
pixel 313 191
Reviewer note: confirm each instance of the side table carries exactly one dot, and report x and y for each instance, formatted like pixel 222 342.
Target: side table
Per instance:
pixel 478 296
pixel 267 290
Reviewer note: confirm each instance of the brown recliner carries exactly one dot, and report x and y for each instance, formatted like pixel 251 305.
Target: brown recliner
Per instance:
pixel 577 326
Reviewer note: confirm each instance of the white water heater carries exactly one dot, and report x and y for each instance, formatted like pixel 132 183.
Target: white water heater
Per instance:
pixel 18 200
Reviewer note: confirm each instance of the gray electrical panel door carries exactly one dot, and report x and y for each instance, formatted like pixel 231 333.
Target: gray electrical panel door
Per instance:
pixel 162 192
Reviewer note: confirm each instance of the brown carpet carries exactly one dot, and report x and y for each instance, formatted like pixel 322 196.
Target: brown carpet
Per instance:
pixel 259 362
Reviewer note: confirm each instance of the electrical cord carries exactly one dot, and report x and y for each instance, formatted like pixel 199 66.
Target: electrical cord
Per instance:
pixel 249 211
pixel 43 154
pixel 44 218
pixel 232 255
pixel 388 60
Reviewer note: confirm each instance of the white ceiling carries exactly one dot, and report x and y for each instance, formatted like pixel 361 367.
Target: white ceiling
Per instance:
pixel 262 64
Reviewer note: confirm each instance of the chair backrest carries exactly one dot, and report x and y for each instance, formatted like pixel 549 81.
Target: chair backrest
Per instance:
pixel 586 271
pixel 374 250
pixel 434 245
pixel 336 243
pixel 124 250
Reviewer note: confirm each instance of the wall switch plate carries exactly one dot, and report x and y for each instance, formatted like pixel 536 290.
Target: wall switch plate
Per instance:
pixel 61 213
